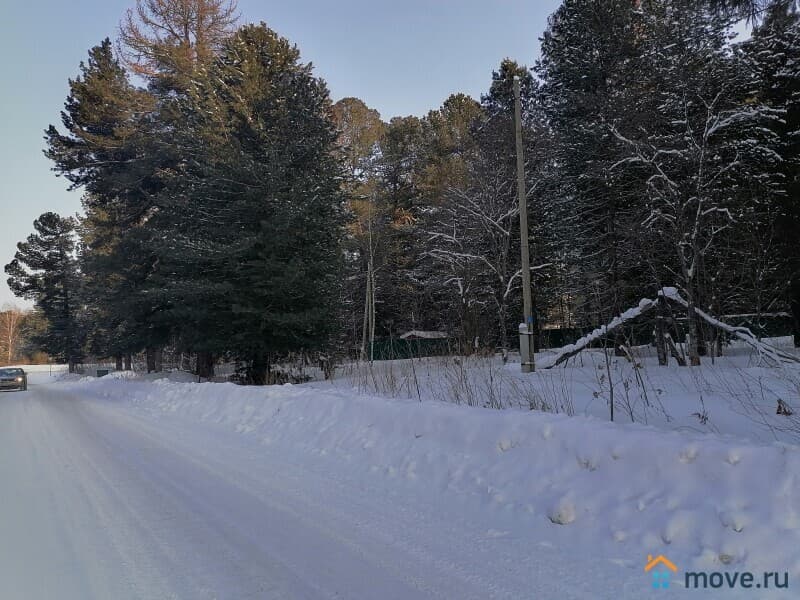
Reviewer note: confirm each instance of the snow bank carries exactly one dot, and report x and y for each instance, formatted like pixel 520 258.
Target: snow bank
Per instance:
pixel 708 502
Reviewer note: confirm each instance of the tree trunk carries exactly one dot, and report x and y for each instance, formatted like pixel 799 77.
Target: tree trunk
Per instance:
pixel 365 328
pixel 118 360
pixel 258 370
pixel 702 346
pixel 660 331
pixel 158 359
pixel 501 316
pixel 128 362
pixel 794 303
pixel 372 320
pixel 673 350
pixel 465 329
pixel 150 359
pixel 661 342
pixel 205 365
pixel 692 329
pixel 619 343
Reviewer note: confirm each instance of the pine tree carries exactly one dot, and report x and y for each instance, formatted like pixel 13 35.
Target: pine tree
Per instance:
pixel 774 52
pixel 444 284
pixel 397 198
pixel 256 214
pixel 586 53
pixel 44 270
pixel 100 117
pixel 108 151
pixel 171 44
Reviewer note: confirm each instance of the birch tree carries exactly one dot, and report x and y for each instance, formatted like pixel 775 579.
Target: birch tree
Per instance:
pixel 11 319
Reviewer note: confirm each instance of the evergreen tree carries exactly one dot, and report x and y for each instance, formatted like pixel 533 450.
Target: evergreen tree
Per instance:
pixel 774 52
pixel 586 54
pixel 445 291
pixel 44 270
pixel 107 150
pixel 172 44
pixel 256 214
pixel 397 198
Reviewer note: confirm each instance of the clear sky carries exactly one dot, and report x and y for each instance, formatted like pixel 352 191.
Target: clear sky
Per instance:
pixel 400 57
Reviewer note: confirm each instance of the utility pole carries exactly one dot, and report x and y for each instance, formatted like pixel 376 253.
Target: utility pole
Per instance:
pixel 369 303
pixel 526 327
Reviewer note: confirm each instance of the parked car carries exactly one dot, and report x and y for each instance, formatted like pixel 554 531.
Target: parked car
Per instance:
pixel 13 379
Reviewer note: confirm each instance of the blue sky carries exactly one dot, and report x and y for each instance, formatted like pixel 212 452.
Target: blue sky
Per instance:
pixel 399 57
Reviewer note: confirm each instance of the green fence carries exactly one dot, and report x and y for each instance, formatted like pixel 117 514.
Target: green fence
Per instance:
pixel 395 348
pixel 638 333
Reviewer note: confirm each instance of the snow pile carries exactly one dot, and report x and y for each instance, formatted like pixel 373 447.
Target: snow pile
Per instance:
pixel 121 375
pixel 710 503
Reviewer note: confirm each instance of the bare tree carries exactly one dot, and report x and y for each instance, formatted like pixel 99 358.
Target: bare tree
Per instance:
pixel 166 39
pixel 474 236
pixel 10 332
pixel 707 151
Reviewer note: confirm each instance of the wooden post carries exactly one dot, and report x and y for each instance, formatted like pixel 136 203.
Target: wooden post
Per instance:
pixel 526 333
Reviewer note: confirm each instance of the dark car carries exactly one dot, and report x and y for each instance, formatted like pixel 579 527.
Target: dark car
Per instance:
pixel 13 379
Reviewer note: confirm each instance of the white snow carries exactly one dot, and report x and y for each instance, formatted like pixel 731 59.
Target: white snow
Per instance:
pixel 130 488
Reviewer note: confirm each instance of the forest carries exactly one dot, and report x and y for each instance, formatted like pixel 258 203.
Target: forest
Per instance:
pixel 232 210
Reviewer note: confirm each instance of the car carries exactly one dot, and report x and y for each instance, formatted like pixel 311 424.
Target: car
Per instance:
pixel 13 379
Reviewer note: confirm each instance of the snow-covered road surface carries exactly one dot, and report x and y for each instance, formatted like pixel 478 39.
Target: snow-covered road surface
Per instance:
pixel 99 502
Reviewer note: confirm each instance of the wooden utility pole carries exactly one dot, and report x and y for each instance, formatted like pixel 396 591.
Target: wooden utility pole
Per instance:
pixel 526 348
pixel 369 303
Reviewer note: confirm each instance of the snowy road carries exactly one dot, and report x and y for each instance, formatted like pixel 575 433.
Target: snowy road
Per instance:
pixel 99 501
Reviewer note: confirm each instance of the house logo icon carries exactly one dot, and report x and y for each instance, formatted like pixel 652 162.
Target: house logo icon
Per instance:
pixel 660 568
